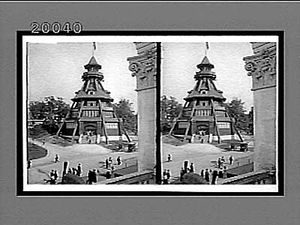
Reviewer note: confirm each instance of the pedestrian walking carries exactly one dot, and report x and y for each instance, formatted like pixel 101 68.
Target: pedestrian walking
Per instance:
pixel 90 179
pixel 56 158
pixel 110 160
pixel 230 159
pixel 220 174
pixel 108 174
pixel 94 176
pixel 106 163
pixel 206 175
pixel 185 166
pixel 192 168
pixel 181 173
pixel 79 169
pixel 119 162
pixel 55 174
pixel 219 162
pixel 223 159
pixel 169 159
pixel 112 169
pixel 202 173
pixel 168 174
pixel 214 177
pixel 51 173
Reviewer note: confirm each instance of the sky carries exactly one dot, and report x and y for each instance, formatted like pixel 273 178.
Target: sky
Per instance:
pixel 56 69
pixel 179 65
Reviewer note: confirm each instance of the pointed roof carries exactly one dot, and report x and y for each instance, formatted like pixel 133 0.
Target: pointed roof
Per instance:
pixel 205 63
pixel 205 60
pixel 92 63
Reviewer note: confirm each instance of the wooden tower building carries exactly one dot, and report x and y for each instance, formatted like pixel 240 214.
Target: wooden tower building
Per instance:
pixel 92 118
pixel 204 117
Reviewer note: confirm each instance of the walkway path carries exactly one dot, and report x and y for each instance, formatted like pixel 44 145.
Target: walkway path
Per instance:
pixel 91 156
pixel 199 154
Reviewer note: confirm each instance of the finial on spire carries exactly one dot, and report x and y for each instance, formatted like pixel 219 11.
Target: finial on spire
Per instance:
pixel 206 48
pixel 94 47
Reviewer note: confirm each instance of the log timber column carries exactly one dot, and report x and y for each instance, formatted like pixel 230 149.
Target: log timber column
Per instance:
pixel 143 67
pixel 262 68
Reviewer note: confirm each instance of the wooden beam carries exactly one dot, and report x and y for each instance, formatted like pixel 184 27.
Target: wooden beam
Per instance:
pixel 87 85
pixel 190 119
pixel 64 120
pixel 215 119
pixel 103 122
pixel 77 121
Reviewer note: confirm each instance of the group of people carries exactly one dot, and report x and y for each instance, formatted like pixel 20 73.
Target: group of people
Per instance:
pixel 53 177
pixel 186 168
pixel 109 162
pixel 221 161
pixel 211 176
pixel 76 171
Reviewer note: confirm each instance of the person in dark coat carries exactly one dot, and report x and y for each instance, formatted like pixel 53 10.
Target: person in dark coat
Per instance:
pixel 202 173
pixel 220 175
pixel 112 169
pixel 181 173
pixel 89 179
pixel 56 159
pixel 55 174
pixel 119 160
pixel 169 158
pixel 94 176
pixel 206 175
pixel 168 174
pixel 110 161
pixel 214 177
pixel 230 160
pixel 106 163
pixel 185 166
pixel 219 162
pixel 108 174
pixel 51 173
pixel 192 169
pixel 79 169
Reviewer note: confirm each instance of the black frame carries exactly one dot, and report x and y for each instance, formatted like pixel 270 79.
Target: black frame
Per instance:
pixel 280 140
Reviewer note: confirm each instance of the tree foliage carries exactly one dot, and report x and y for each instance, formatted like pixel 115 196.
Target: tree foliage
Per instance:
pixel 170 110
pixel 125 112
pixel 52 110
pixel 236 110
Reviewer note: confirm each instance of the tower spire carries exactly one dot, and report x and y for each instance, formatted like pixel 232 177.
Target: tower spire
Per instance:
pixel 206 48
pixel 94 48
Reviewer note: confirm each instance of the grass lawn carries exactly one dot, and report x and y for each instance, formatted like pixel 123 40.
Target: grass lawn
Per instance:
pixel 172 140
pixel 35 151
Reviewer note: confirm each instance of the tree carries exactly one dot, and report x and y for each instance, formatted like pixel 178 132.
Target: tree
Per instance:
pixel 52 109
pixel 125 112
pixel 237 111
pixel 170 110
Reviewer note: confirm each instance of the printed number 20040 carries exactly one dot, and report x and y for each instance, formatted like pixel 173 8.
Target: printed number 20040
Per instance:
pixel 55 27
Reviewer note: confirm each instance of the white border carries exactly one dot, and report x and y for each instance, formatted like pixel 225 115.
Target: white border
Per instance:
pixel 142 188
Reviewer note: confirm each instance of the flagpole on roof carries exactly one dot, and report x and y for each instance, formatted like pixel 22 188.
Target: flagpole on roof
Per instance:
pixel 94 47
pixel 206 48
